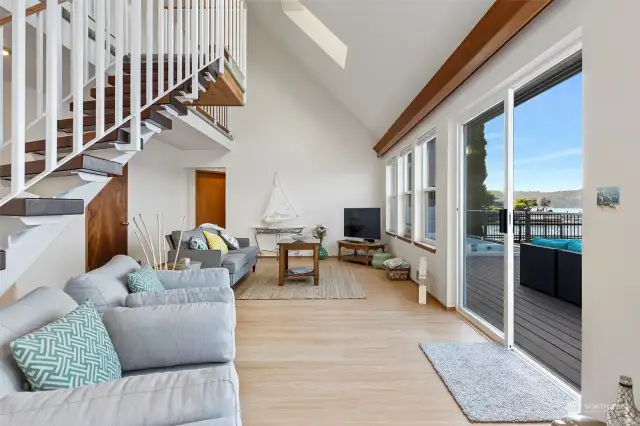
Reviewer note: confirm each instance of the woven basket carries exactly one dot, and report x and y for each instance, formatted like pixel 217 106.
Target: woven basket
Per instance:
pixel 398 274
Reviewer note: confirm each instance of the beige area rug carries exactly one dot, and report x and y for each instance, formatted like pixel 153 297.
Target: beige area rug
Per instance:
pixel 337 281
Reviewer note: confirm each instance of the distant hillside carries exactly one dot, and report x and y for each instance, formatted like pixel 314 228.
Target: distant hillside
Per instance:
pixel 559 199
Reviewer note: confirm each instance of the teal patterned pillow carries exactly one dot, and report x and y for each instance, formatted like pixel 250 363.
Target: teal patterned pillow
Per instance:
pixel 196 243
pixel 70 352
pixel 144 279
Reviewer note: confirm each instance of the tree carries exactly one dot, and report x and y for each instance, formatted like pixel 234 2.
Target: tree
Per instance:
pixel 523 203
pixel 478 197
pixel 545 202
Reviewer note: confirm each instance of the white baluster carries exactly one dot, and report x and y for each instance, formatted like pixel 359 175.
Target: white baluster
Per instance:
pixel 2 110
pixel 121 24
pixel 160 52
pixel 136 52
pixel 179 45
pixel 40 65
pixel 187 37
pixel 18 100
pixel 78 67
pixel 53 30
pixel 194 49
pixel 170 44
pixel 100 68
pixel 149 58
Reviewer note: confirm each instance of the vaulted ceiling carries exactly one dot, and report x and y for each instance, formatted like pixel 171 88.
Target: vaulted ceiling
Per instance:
pixel 394 48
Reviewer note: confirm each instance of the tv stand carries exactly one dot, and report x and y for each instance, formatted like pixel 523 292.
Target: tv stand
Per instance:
pixel 357 246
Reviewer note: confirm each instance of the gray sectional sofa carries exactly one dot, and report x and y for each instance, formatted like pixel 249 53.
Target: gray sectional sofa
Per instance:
pixel 237 262
pixel 176 349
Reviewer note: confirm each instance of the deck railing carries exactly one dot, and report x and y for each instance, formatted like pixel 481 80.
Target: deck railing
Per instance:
pixel 526 225
pixel 81 43
pixel 218 115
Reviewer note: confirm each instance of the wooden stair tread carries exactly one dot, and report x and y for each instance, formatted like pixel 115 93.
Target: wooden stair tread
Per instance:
pixel 151 114
pixel 29 207
pixel 65 143
pixel 79 163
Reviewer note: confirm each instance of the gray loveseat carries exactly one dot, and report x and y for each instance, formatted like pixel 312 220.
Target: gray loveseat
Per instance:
pixel 237 262
pixel 176 349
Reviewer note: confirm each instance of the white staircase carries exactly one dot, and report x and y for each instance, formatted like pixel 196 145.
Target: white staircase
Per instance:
pixel 90 82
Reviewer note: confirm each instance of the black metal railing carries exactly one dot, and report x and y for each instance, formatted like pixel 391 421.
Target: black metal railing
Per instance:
pixel 526 225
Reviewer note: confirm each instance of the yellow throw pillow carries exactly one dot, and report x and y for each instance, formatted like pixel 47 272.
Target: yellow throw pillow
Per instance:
pixel 216 243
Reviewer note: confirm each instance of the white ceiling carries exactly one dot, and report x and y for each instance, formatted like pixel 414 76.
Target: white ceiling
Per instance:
pixel 394 48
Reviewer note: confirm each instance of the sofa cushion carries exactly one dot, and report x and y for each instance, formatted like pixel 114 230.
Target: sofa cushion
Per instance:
pixel 251 251
pixel 234 261
pixel 186 236
pixel 551 243
pixel 70 352
pixel 181 295
pixel 229 240
pixel 215 242
pixel 107 286
pixel 196 243
pixel 33 311
pixel 575 246
pixel 144 279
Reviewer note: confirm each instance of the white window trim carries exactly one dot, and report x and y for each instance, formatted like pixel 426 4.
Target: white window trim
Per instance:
pixel 403 178
pixel 392 195
pixel 424 190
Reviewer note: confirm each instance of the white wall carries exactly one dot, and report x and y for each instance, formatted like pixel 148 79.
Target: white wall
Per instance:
pixel 610 88
pixel 157 185
pixel 293 126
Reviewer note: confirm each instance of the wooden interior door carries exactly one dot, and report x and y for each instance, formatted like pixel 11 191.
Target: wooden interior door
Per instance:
pixel 106 222
pixel 211 198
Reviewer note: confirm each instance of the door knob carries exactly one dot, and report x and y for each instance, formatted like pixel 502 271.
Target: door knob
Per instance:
pixel 125 223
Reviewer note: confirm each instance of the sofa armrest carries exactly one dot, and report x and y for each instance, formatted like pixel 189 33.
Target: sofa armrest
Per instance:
pixel 209 258
pixel 177 397
pixel 172 335
pixel 195 278
pixel 244 242
pixel 180 295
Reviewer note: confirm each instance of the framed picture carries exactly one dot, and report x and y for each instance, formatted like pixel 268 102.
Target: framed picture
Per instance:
pixel 608 197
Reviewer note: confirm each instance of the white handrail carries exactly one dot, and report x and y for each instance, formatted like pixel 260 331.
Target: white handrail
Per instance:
pixel 179 37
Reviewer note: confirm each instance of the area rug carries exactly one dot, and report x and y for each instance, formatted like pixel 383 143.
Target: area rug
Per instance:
pixel 336 282
pixel 492 384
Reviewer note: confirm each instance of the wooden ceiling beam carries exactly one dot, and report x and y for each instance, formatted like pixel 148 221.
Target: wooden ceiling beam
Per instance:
pixel 503 20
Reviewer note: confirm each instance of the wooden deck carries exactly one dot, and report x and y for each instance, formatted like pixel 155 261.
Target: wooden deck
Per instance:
pixel 547 328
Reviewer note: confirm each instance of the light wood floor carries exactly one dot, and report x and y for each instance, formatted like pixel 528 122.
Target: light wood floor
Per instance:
pixel 345 362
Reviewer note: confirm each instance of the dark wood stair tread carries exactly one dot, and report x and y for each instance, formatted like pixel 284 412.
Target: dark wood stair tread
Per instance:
pixel 80 163
pixel 28 207
pixel 65 143
pixel 150 114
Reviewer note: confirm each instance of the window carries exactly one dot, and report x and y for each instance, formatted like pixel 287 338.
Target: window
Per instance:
pixel 407 186
pixel 392 195
pixel 428 182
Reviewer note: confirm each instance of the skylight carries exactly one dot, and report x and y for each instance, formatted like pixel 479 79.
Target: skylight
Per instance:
pixel 316 30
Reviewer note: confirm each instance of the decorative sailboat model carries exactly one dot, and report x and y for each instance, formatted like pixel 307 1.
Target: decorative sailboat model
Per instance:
pixel 278 216
pixel 279 210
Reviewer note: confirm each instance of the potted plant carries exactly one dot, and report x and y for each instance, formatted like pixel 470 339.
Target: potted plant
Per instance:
pixel 320 232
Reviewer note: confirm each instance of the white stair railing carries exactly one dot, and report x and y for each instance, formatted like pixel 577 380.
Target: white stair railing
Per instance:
pixel 182 36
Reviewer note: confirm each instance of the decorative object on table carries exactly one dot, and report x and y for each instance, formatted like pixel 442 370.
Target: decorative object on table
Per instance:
pixel 187 264
pixel 356 246
pixel 299 237
pixel 301 271
pixel 279 209
pixel 577 420
pixel 623 412
pixel 146 241
pixel 196 243
pixel 175 259
pixel 215 242
pixel 379 258
pixel 337 281
pixel 71 352
pixel 496 385
pixel 423 291
pixel 608 197
pixel 319 232
pixel 397 269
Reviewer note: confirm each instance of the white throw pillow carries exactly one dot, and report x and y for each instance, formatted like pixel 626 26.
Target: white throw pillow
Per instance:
pixel 231 242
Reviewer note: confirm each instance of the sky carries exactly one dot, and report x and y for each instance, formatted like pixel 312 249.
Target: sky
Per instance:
pixel 547 141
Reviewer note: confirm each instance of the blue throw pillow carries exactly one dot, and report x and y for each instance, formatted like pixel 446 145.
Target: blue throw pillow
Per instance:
pixel 144 279
pixel 575 246
pixel 73 351
pixel 551 243
pixel 196 243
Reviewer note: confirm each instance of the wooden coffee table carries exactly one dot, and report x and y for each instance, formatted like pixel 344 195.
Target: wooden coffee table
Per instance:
pixel 286 245
pixel 358 245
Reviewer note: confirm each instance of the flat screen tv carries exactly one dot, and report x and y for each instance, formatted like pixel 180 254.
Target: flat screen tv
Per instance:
pixel 362 223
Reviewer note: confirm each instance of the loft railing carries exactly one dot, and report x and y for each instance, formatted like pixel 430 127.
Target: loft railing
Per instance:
pixel 78 49
pixel 218 115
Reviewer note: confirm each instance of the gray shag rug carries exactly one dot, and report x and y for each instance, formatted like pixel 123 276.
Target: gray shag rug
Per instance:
pixel 492 384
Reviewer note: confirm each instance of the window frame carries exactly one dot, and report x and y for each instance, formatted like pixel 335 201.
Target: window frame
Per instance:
pixel 425 189
pixel 392 196
pixel 406 190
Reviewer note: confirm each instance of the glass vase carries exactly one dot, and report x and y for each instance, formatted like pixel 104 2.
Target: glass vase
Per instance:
pixel 623 412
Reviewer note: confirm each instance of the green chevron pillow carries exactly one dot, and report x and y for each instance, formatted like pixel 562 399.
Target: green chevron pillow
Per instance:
pixel 70 352
pixel 144 279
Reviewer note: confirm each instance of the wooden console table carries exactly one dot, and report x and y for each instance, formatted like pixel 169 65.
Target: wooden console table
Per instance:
pixel 358 245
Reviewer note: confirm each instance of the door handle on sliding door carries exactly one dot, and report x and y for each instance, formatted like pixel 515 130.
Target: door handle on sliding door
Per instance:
pixel 502 217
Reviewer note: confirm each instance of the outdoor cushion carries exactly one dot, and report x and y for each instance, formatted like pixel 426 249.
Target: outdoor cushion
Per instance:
pixel 575 246
pixel 234 261
pixel 551 243
pixel 144 279
pixel 70 352
pixel 251 251
pixel 216 243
